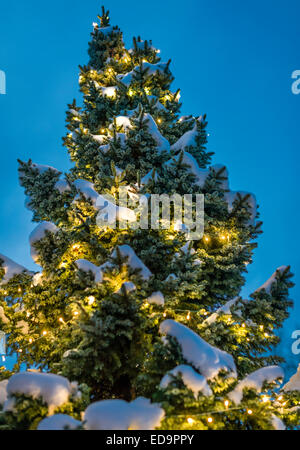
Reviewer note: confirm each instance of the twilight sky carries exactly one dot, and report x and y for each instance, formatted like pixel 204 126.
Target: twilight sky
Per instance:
pixel 232 60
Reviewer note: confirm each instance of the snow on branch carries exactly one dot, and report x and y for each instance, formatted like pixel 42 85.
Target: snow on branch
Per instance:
pixel 267 286
pixel 204 357
pixel 294 383
pixel 11 268
pixel 193 380
pixel 54 390
pixel 256 381
pixel 139 414
pixel 39 233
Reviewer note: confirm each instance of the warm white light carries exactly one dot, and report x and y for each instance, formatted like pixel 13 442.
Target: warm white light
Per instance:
pixel 249 411
pixel 91 299
pixel 190 420
pixel 210 419
pixel 226 403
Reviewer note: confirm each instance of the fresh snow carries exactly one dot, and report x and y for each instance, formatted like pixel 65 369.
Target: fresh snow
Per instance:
pixel 156 298
pixel 3 391
pixel 128 286
pixel 225 309
pixel 188 159
pixel 139 414
pixel 187 139
pixel 39 233
pixel 62 186
pixel 133 260
pixel 193 380
pixel 87 266
pixel 109 212
pixel 256 381
pixel 161 142
pixel 204 357
pixel 267 286
pixel 231 196
pixel 152 69
pixel 148 177
pixel 294 383
pixel 11 268
pixel 277 423
pixel 59 422
pixel 54 390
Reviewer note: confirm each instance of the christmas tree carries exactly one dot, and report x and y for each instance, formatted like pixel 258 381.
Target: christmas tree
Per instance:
pixel 129 326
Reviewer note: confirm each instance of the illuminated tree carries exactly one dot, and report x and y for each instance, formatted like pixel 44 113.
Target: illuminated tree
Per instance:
pixel 129 312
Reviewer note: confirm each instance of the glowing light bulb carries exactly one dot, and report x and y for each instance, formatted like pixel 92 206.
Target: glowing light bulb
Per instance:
pixel 44 333
pixel 280 398
pixel 243 325
pixel 61 320
pixel 266 335
pixel 146 304
pixel 188 316
pixel 159 120
pixel 165 314
pixel 157 51
pixel 209 419
pixel 261 327
pixel 249 411
pixel 223 237
pixel 19 289
pixel 190 420
pixel 91 299
pixel 20 350
pixel 130 92
pixel 30 341
pixel 226 403
pixel 265 398
pixel 206 238
pixel 102 130
pixel 76 313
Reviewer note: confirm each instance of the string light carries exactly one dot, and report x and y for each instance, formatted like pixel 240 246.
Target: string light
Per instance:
pixel 226 403
pixel 249 411
pixel 159 120
pixel 188 316
pixel 91 299
pixel 61 320
pixel 44 333
pixel 265 398
pixel 76 313
pixel 209 419
pixel 190 420
pixel 165 314
pixel 130 92
pixel 206 238
pixel 30 341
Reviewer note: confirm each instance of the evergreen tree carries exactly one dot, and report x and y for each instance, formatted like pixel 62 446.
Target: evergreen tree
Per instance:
pixel 123 313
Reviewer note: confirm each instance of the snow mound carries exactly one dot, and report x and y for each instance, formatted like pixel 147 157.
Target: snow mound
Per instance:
pixel 204 357
pixel 128 286
pixel 152 69
pixel 231 196
pixel 225 309
pixel 109 212
pixel 255 381
pixel 54 390
pixel 59 422
pixel 11 268
pixel 187 139
pixel 277 423
pixel 193 380
pixel 148 177
pixel 39 233
pixel 133 260
pixel 161 142
pixel 139 414
pixel 3 391
pixel 294 383
pixel 156 298
pixel 87 266
pixel 188 159
pixel 267 286
pixel 62 186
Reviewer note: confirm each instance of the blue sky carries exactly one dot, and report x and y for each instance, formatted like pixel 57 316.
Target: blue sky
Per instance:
pixel 232 60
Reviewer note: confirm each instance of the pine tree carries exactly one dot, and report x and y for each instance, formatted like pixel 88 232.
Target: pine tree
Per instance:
pixel 119 314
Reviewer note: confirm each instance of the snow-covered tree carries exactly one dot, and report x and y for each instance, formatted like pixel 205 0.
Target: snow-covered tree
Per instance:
pixel 135 328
